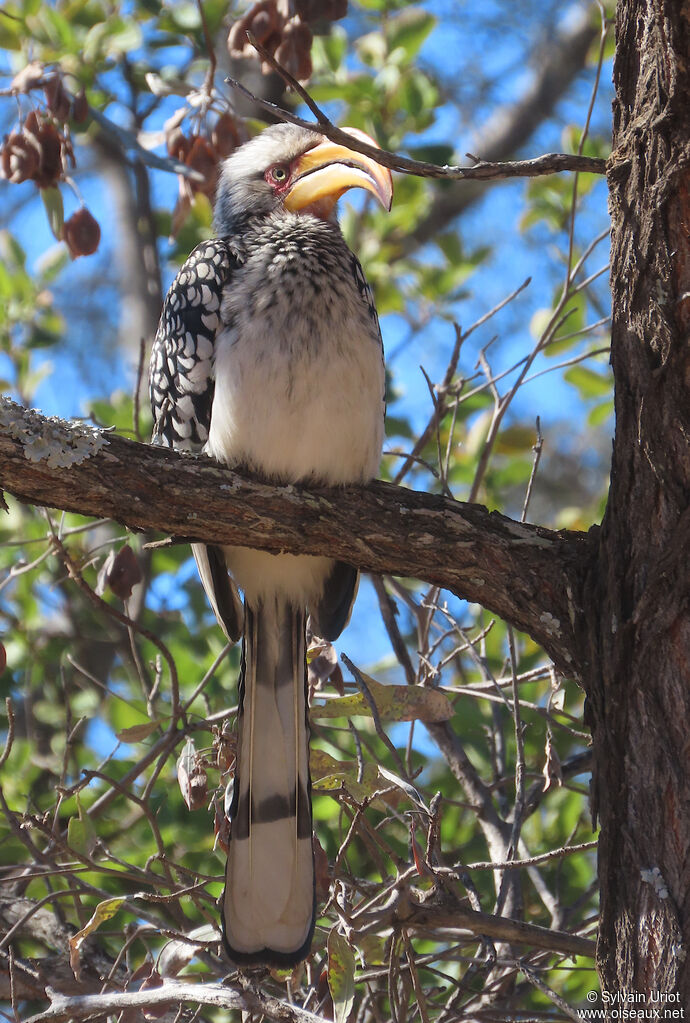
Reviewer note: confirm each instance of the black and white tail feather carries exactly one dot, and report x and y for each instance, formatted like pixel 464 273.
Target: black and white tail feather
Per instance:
pixel 269 904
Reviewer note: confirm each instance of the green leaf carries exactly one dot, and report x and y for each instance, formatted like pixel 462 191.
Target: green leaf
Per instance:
pixel 341 975
pixel 51 27
pixel 51 264
pixel 124 714
pixel 11 33
pixel 186 17
pixel 135 733
pixel 600 413
pixel 12 253
pixel 81 834
pixel 589 383
pixel 55 211
pixel 515 440
pixel 333 47
pixel 371 50
pixel 539 322
pixel 113 37
pixel 393 703
pixel 409 31
pixel 125 38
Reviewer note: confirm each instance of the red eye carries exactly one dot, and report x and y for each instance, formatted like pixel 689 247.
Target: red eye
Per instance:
pixel 279 174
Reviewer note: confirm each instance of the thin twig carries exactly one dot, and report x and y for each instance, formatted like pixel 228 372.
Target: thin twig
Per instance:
pixel 537 449
pixel 507 879
pixel 388 615
pixel 531 861
pixel 418 989
pixel 210 51
pixel 549 163
pixel 136 404
pixel 10 731
pixel 537 982
pixel 444 387
pixel 102 605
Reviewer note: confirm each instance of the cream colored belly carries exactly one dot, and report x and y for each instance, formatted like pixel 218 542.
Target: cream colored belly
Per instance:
pixel 315 417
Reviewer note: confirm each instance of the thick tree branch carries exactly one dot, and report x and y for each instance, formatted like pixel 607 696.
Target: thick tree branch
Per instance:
pixel 435 913
pixel 528 575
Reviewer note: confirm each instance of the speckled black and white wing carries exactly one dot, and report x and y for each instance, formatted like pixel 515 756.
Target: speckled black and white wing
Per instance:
pixel 181 375
pixel 367 295
pixel 182 387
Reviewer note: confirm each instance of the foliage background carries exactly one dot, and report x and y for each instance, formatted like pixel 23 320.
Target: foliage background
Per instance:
pixel 91 809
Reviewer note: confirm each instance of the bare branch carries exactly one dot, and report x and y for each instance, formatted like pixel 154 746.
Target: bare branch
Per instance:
pixel 550 163
pixel 509 128
pixel 435 911
pixel 172 993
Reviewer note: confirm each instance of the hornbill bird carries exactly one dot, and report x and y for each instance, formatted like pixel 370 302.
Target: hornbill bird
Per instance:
pixel 268 356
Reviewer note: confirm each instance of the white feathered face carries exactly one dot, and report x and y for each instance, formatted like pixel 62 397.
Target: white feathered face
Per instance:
pixel 293 169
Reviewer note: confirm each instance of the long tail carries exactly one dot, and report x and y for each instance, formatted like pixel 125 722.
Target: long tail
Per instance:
pixel 269 902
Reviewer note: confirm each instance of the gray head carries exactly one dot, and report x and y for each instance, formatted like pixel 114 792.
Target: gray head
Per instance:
pixel 288 169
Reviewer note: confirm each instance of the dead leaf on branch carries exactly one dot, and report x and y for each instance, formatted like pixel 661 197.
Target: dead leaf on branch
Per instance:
pixel 103 911
pixel 393 703
pixel 191 777
pixel 552 771
pixel 341 975
pixel 136 733
pixel 331 775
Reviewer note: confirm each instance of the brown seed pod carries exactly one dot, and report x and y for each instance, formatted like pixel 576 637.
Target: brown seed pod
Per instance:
pixel 80 107
pixel 321 10
pixel 322 870
pixel 203 158
pixel 82 233
pixel 271 44
pixel 263 25
pixel 124 571
pixel 294 51
pixel 178 144
pixel 57 100
pixel 19 158
pixel 237 38
pixel 45 135
pixel 264 21
pixel 225 136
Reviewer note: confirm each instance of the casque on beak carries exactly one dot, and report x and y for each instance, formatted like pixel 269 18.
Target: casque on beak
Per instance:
pixel 325 172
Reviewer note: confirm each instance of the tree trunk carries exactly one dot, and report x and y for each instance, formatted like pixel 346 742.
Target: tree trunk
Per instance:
pixel 637 611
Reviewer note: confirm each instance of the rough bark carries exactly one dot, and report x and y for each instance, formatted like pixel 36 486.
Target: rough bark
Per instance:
pixel 528 575
pixel 638 627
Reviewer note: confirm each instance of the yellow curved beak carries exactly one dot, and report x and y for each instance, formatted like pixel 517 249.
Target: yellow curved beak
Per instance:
pixel 328 170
